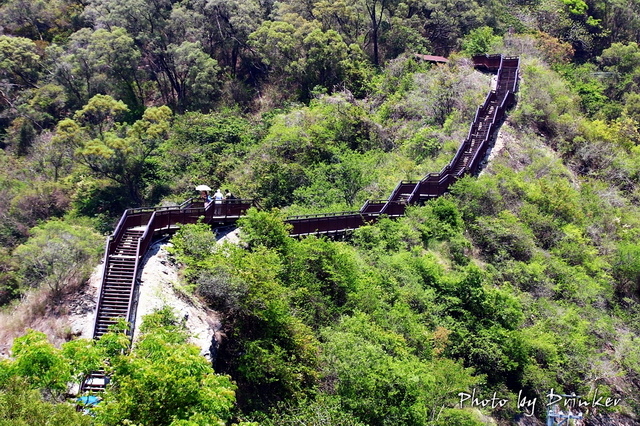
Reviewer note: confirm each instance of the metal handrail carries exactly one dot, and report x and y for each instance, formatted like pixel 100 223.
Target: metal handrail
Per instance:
pixel 139 254
pixel 186 203
pixel 119 229
pixel 143 245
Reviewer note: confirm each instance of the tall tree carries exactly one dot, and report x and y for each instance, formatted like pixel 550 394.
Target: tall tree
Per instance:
pixel 376 10
pixel 112 149
pixel 20 67
pixel 104 61
pixel 223 27
pixel 184 74
pixel 446 21
pixel 58 255
pixel 42 20
pixel 360 21
pixel 308 56
pixel 192 74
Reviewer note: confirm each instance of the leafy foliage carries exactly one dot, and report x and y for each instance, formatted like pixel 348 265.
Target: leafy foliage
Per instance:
pixel 21 405
pixel 261 229
pixel 39 362
pixel 524 278
pixel 137 391
pixel 193 242
pixel 162 359
pixel 111 149
pixel 58 255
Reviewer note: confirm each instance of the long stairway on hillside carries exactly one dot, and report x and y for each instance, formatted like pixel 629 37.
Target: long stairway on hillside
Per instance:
pixel 467 160
pixel 118 282
pixel 116 294
pixel 479 133
pixel 137 227
pixel 124 252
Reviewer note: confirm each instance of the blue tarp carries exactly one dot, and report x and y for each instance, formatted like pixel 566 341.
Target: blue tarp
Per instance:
pixel 88 400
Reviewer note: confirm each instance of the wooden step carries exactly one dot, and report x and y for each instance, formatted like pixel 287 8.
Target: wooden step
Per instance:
pixel 115 292
pixel 94 382
pixel 120 278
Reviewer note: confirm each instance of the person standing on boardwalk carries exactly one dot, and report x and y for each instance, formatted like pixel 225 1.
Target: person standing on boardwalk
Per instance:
pixel 228 195
pixel 205 197
pixel 217 199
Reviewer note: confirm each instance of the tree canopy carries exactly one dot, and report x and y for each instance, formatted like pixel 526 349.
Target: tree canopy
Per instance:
pixel 524 278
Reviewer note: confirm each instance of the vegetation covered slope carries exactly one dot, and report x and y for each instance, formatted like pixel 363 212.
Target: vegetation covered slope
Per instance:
pixel 526 278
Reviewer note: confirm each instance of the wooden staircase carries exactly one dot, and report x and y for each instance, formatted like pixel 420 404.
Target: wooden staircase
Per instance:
pixel 95 382
pixel 116 295
pixel 118 282
pixel 134 232
pixel 480 132
pixel 467 161
pixel 124 251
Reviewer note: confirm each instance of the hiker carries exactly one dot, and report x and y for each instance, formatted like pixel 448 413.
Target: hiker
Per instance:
pixel 205 197
pixel 217 198
pixel 228 195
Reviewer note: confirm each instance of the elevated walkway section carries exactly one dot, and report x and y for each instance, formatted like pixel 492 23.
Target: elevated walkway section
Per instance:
pixel 467 160
pixel 133 235
pixel 125 250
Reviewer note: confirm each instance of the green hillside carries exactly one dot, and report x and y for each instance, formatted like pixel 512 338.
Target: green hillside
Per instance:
pixel 520 283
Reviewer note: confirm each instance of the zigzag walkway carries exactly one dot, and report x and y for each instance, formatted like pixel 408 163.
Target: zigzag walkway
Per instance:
pixel 468 159
pixel 132 237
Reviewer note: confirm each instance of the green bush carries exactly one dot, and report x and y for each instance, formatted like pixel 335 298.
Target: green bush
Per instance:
pixel 386 235
pixel 543 226
pixel 160 360
pixel 626 269
pixel 193 243
pixel 265 229
pixel 20 405
pixel 478 197
pixel 59 254
pixel 322 276
pixel 380 382
pixel 503 237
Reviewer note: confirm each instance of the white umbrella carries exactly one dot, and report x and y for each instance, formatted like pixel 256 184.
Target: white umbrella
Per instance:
pixel 202 188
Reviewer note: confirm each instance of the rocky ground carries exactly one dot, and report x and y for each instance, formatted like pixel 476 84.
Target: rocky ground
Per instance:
pixel 73 315
pixel 68 317
pixel 159 287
